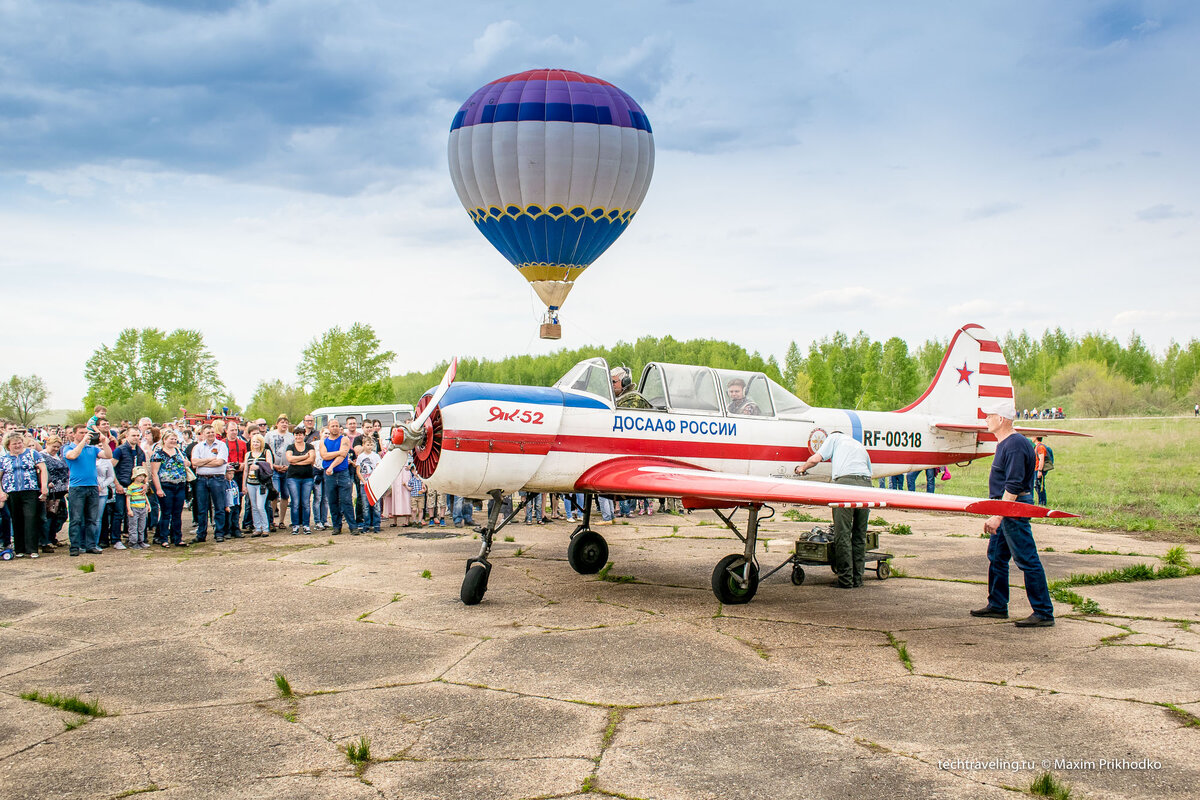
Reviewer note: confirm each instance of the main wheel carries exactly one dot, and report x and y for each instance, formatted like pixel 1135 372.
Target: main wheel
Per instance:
pixel 587 553
pixel 883 571
pixel 797 575
pixel 729 589
pixel 475 584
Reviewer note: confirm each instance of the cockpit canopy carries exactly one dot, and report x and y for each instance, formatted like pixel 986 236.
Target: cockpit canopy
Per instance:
pixel 684 389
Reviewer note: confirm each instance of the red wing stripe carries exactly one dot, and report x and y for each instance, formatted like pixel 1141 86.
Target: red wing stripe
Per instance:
pixel 989 347
pixel 993 369
pixel 995 391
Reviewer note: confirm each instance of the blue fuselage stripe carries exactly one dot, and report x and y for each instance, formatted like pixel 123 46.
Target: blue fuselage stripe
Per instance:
pixel 855 425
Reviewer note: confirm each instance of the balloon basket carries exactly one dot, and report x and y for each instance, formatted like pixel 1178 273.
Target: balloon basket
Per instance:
pixel 550 330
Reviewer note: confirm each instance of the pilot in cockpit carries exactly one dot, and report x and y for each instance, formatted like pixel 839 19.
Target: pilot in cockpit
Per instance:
pixel 738 402
pixel 622 385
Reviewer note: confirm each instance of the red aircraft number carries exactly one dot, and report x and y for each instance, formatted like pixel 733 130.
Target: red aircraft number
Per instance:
pixel 516 415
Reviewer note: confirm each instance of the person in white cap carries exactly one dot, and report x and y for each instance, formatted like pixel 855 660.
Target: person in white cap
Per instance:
pixel 1011 478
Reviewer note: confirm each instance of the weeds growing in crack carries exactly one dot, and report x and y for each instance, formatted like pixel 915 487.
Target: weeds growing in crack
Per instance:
pixel 72 724
pixel 1188 719
pixel 900 529
pixel 281 683
pixel 1177 557
pixel 604 575
pixel 800 516
pixel 901 650
pixel 66 703
pixel 426 574
pixel 152 787
pixel 877 521
pixel 359 753
pixel 509 539
pixel 1046 785
pixel 88 567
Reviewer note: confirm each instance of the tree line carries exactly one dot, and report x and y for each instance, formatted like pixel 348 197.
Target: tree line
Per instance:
pixel 149 372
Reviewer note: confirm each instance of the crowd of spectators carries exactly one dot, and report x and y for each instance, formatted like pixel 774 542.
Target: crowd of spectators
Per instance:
pixel 127 486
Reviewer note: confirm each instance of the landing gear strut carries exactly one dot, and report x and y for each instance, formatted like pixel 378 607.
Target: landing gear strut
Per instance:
pixel 735 579
pixel 587 552
pixel 479 569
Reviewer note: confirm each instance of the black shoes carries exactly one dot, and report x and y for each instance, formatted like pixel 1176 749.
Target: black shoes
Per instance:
pixel 1034 621
pixel 237 535
pixel 991 613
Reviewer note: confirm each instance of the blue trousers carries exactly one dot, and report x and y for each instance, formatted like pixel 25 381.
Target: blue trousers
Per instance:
pixel 83 503
pixel 210 494
pixel 299 491
pixel 931 475
pixel 1014 541
pixel 339 487
pixel 896 482
pixel 464 510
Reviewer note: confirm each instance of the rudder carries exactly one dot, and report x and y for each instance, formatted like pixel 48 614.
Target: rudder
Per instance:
pixel 973 371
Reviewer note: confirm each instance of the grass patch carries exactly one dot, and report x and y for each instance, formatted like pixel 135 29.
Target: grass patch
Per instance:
pixel 88 567
pixel 72 724
pixel 674 529
pixel 1046 785
pixel 1048 550
pixel 1188 719
pixel 322 563
pixel 509 539
pixel 605 575
pixel 877 521
pixel 427 575
pixel 800 516
pixel 1157 459
pixel 519 551
pixel 66 703
pixel 282 684
pixel 900 529
pixel 1177 557
pixel 1091 551
pixel 359 753
pixel 901 650
pixel 152 787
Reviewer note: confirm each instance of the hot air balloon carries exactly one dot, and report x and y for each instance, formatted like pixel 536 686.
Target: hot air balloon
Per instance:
pixel 551 165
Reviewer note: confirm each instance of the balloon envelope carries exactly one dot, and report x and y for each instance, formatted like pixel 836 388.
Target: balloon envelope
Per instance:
pixel 551 165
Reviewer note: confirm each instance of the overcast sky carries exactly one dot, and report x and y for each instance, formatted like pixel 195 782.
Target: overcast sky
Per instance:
pixel 265 170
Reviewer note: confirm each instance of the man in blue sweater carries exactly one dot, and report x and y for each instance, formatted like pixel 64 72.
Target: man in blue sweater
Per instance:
pixel 1011 478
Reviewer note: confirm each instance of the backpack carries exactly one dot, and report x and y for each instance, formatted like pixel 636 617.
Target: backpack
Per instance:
pixel 1048 464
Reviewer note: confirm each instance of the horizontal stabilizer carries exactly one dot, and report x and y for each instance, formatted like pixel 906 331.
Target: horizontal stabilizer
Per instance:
pixel 981 427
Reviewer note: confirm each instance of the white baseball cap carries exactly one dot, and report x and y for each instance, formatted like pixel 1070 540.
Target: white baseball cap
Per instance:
pixel 1002 407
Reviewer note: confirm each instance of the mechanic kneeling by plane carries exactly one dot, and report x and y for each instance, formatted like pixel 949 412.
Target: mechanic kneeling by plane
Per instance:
pixel 851 464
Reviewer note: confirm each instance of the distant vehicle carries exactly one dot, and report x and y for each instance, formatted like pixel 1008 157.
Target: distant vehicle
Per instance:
pixel 388 415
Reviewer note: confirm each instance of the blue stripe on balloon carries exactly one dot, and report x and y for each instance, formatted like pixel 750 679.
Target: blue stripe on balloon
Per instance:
pixel 545 240
pixel 553 112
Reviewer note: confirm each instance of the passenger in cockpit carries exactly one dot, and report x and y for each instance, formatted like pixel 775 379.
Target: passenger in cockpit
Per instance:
pixel 738 402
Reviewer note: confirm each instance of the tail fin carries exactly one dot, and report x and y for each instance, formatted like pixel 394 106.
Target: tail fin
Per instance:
pixel 972 371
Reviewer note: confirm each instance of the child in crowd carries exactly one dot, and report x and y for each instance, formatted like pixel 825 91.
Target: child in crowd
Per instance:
pixel 138 509
pixel 416 489
pixel 233 496
pixel 368 460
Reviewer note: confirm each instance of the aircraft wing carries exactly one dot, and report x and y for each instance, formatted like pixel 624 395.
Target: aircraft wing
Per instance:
pixel 700 488
pixel 980 427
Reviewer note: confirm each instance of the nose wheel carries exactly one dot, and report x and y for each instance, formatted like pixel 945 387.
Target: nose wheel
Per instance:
pixel 475 584
pixel 479 569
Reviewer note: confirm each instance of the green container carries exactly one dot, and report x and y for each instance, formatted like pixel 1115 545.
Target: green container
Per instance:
pixel 822 552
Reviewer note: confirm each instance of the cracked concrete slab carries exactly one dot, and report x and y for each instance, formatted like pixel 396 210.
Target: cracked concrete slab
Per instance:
pixel 447 722
pixel 652 685
pixel 1176 598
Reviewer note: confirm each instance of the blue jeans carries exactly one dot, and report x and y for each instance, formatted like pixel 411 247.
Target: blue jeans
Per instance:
pixel 931 475
pixel 911 479
pixel 1039 486
pixel 83 503
pixel 464 510
pixel 299 491
pixel 1014 541
pixel 170 521
pixel 606 508
pixel 626 507
pixel 210 493
pixel 533 511
pixel 256 496
pixel 340 486
pixel 320 504
pixel 896 482
pixel 371 518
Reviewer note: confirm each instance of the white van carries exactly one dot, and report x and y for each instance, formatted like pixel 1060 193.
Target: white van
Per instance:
pixel 388 415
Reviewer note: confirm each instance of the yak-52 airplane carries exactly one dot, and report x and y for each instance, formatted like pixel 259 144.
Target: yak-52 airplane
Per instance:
pixel 693 436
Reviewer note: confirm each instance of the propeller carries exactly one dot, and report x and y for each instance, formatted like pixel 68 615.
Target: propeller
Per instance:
pixel 411 433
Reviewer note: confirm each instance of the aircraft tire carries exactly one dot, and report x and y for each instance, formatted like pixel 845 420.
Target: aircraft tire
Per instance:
pixel 797 575
pixel 475 584
pixel 587 553
pixel 726 587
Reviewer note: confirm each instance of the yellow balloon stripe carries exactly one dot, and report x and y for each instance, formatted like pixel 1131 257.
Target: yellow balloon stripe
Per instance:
pixel 536 212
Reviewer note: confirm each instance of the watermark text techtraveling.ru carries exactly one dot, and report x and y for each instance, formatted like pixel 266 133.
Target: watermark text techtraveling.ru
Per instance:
pixel 1065 764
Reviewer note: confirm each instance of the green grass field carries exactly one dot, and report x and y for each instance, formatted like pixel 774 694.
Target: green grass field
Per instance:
pixel 1138 475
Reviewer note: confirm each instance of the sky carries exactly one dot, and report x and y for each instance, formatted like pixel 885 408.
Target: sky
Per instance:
pixel 262 171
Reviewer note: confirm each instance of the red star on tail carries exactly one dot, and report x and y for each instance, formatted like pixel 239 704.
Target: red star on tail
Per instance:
pixel 964 374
